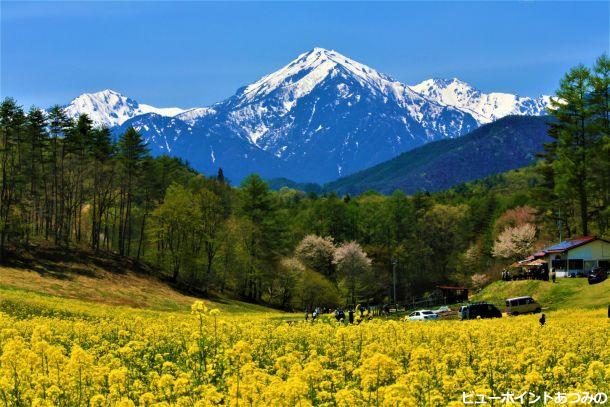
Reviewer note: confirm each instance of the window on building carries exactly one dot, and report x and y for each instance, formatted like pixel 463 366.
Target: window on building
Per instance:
pixel 559 264
pixel 576 264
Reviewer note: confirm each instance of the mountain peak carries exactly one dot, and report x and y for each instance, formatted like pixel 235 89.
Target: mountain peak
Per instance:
pixel 320 50
pixel 106 94
pixel 110 108
pixel 108 91
pixel 442 83
pixel 304 73
pixel 485 107
pixel 451 81
pixel 102 94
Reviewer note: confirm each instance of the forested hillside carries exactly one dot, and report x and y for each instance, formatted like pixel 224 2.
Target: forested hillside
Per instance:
pixel 68 184
pixel 506 144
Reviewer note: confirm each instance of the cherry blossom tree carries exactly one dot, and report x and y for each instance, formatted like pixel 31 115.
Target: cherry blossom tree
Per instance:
pixel 515 241
pixel 317 253
pixel 352 264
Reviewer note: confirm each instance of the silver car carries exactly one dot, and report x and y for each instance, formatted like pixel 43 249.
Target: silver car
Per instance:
pixel 423 315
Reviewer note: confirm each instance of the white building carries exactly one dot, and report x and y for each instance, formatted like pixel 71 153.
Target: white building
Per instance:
pixel 576 256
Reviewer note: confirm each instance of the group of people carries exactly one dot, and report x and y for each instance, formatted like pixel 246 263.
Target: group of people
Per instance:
pixel 356 315
pixel 523 273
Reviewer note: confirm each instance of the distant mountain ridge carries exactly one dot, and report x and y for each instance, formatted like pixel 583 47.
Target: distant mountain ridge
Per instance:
pixel 485 107
pixel 320 117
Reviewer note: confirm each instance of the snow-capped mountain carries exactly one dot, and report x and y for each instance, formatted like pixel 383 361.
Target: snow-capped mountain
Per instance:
pixel 321 73
pixel 109 108
pixel 324 115
pixel 320 117
pixel 485 107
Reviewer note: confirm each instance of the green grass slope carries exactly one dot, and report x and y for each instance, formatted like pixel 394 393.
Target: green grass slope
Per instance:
pixel 104 289
pixel 565 293
pixel 101 279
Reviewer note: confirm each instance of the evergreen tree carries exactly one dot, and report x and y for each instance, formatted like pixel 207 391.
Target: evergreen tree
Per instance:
pixel 257 206
pixel 59 126
pixel 220 177
pixel 102 151
pixel 575 141
pixel 601 128
pixel 132 152
pixel 37 171
pixel 12 120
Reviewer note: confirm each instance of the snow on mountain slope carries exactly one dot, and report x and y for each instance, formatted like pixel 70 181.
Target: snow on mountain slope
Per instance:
pixel 109 108
pixel 161 133
pixel 320 117
pixel 278 93
pixel 204 148
pixel 161 111
pixel 309 69
pixel 326 115
pixel 485 107
pixel 191 115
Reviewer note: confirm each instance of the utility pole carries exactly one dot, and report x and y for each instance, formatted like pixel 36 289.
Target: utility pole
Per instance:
pixel 560 226
pixel 394 262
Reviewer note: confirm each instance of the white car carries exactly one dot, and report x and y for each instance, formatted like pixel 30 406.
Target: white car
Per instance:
pixel 422 315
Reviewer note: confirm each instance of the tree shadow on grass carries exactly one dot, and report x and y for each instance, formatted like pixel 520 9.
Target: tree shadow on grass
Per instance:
pixel 67 263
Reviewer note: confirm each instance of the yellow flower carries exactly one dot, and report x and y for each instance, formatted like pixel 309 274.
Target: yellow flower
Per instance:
pixel 97 401
pixel 119 356
pixel 147 399
pixel 125 402
pixel 199 307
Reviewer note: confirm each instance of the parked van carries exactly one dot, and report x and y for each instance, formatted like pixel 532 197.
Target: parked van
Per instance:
pixel 479 310
pixel 522 305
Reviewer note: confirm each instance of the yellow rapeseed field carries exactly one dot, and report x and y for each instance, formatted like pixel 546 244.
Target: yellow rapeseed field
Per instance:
pixel 53 354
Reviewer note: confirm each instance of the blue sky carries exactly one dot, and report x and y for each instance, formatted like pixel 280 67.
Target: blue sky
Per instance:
pixel 196 53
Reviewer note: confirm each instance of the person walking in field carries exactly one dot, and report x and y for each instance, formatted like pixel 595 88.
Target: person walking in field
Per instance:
pixel 542 320
pixel 350 315
pixel 553 275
